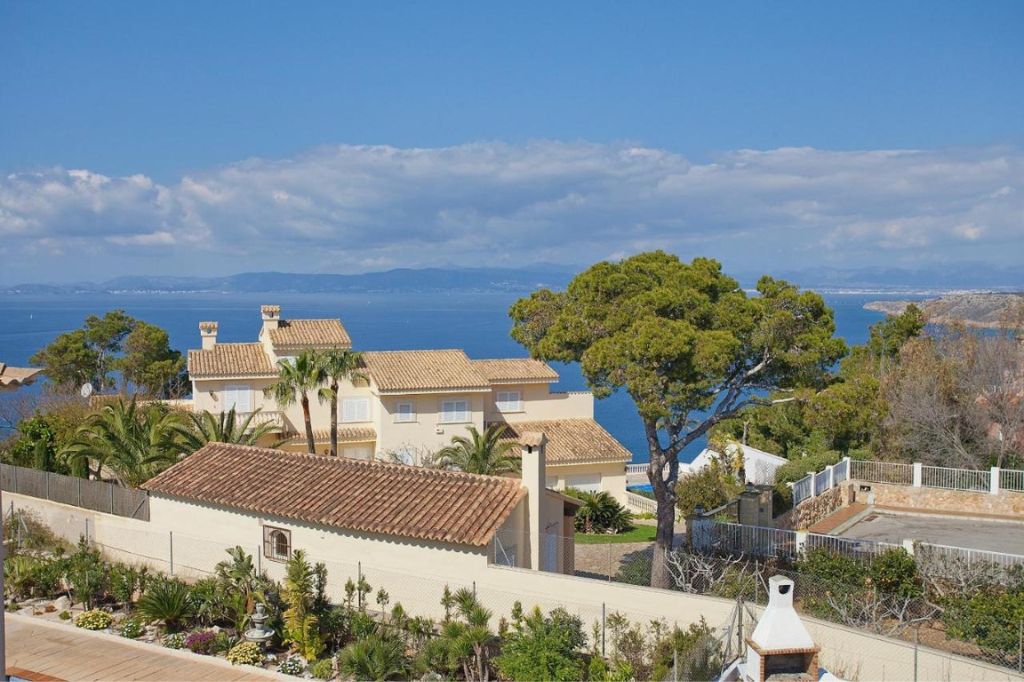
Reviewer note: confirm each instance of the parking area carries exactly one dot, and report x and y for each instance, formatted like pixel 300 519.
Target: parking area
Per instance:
pixel 958 531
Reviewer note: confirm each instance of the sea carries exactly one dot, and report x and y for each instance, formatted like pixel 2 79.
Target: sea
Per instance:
pixel 475 322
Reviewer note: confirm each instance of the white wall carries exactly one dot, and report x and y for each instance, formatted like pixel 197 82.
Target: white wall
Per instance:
pixel 416 575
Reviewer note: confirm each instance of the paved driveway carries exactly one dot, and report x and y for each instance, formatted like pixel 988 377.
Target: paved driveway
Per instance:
pixel 56 651
pixel 994 536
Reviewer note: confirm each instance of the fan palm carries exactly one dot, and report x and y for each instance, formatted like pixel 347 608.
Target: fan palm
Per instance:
pixel 132 442
pixel 377 657
pixel 226 427
pixel 482 453
pixel 338 365
pixel 295 381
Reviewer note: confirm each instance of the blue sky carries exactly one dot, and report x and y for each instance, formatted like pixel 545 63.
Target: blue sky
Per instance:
pixel 338 137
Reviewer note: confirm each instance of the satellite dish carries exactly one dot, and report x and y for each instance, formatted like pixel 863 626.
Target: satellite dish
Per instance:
pixel 86 390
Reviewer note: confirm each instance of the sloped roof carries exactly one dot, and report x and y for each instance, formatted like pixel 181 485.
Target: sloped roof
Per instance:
pixel 514 370
pixel 310 334
pixel 572 441
pixel 356 495
pixel 230 360
pixel 345 435
pixel 423 370
pixel 13 377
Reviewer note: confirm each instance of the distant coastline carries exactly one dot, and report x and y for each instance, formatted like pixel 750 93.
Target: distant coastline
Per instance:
pixel 983 310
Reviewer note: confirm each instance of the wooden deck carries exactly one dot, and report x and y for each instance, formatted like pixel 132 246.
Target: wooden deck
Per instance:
pixel 41 650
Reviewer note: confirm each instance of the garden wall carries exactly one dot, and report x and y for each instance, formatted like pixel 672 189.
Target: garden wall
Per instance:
pixel 419 587
pixel 1005 503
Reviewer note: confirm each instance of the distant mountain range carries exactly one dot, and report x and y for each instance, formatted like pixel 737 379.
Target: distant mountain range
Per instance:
pixel 963 276
pixel 424 280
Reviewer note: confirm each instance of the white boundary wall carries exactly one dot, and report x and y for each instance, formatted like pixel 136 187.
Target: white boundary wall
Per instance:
pixel 871 657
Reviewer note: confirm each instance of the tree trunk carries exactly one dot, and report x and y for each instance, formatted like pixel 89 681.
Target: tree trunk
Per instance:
pixel 309 425
pixel 665 495
pixel 334 418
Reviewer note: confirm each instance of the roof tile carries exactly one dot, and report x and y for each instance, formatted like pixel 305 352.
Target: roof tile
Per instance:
pixel 230 360
pixel 324 333
pixel 369 497
pixel 423 370
pixel 572 441
pixel 513 370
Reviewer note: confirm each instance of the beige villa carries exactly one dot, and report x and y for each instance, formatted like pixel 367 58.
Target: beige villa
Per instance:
pixel 412 402
pixel 340 509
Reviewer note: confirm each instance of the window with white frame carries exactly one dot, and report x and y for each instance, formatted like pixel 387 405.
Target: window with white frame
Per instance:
pixel 238 396
pixel 355 410
pixel 509 401
pixel 277 543
pixel 454 411
pixel 405 412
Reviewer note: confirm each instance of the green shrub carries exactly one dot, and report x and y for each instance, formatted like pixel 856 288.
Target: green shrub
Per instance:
pixel 93 620
pixel 64 615
pixel 793 471
pixel 989 618
pixel 322 670
pixel 175 640
pixel 710 488
pixel 293 665
pixel 377 657
pixel 542 648
pixel 132 628
pixel 168 600
pixel 87 574
pixel 600 513
pixel 894 572
pixel 245 653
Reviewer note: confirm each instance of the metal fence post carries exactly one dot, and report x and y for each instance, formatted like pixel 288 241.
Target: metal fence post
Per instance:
pixel 603 616
pixel 170 551
pixel 359 583
pixel 1020 646
pixel 87 530
pixel 259 560
pixel 917 639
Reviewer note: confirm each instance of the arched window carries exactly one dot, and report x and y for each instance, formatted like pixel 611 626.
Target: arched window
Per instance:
pixel 277 543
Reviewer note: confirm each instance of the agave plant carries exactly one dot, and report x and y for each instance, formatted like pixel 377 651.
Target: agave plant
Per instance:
pixel 224 427
pixel 377 657
pixel 169 601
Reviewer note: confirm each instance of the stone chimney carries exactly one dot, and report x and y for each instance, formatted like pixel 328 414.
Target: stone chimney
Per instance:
pixel 271 317
pixel 780 644
pixel 208 333
pixel 533 459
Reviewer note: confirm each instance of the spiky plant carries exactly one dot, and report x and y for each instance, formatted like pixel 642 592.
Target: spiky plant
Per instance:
pixel 488 452
pixel 205 427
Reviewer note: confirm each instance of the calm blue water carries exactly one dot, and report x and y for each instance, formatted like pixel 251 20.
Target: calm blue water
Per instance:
pixel 477 323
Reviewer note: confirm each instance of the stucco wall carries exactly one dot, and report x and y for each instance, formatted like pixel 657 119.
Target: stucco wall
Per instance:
pixel 540 403
pixel 613 476
pixel 939 499
pixel 422 434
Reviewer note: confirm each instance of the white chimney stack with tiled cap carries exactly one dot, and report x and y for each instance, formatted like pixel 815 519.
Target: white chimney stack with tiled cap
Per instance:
pixel 271 316
pixel 533 444
pixel 780 644
pixel 208 334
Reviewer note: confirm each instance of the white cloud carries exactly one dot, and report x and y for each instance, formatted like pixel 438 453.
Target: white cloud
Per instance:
pixel 340 208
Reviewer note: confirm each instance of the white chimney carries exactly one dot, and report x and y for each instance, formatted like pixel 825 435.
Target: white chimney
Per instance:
pixel 780 643
pixel 533 461
pixel 208 333
pixel 271 316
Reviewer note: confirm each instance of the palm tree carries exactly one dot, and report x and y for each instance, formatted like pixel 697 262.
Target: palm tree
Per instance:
pixel 482 453
pixel 132 442
pixel 295 381
pixel 206 427
pixel 338 365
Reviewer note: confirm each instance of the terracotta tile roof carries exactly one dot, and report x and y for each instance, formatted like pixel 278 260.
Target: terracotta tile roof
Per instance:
pixel 310 334
pixel 13 377
pixel 230 360
pixel 512 370
pixel 370 497
pixel 345 435
pixel 423 370
pixel 572 441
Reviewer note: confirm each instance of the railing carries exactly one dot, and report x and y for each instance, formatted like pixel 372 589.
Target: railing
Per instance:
pixel 803 489
pixel 262 417
pixel 822 481
pixel 970 557
pixel 882 472
pixel 639 504
pixel 955 479
pixel 636 468
pixel 1012 480
pixel 79 492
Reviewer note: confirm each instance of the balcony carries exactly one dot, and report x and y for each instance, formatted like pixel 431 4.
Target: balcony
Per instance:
pixel 273 417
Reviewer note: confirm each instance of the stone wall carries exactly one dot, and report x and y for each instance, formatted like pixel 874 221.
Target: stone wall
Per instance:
pixel 940 499
pixel 814 509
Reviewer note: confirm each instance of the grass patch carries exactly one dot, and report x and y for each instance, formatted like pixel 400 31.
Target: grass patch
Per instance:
pixel 640 533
